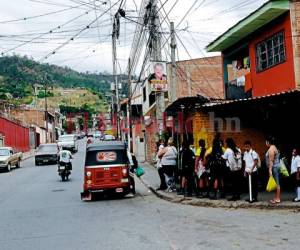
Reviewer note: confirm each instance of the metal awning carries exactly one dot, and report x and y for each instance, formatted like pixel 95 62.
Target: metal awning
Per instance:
pixel 187 103
pixel 259 18
pixel 281 96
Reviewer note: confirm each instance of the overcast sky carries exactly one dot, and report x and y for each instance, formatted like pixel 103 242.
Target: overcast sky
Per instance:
pixel 91 50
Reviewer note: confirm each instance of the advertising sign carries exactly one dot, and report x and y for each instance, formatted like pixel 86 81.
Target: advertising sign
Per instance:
pixel 158 77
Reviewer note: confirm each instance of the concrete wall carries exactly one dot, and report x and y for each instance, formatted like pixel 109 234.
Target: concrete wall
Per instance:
pixel 201 76
pixel 203 128
pixel 281 76
pixel 295 24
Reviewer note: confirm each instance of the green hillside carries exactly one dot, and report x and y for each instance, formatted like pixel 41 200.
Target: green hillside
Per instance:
pixel 19 74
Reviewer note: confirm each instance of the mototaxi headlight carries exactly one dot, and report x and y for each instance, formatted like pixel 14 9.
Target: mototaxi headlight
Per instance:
pixel 88 173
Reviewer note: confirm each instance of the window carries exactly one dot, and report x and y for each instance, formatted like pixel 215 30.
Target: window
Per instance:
pixel 270 52
pixel 106 156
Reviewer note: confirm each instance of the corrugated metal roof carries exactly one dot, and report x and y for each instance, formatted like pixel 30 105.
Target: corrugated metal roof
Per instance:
pixel 224 102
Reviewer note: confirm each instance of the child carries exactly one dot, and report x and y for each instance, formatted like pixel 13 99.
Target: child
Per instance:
pixel 295 171
pixel 203 184
pixel 251 160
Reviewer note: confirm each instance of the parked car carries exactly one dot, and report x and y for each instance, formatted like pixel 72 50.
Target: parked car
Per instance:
pixel 68 142
pixel 108 138
pixel 97 134
pixel 47 153
pixel 9 157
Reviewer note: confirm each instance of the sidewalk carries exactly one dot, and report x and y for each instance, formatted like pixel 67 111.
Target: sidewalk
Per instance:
pixel 151 180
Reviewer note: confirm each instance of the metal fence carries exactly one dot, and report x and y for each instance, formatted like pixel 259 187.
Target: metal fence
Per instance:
pixel 15 134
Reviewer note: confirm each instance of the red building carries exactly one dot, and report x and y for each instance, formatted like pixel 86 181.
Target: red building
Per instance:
pixel 15 134
pixel 261 53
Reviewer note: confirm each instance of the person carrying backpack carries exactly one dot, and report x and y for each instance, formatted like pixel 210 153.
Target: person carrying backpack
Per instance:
pixel 215 164
pixel 233 158
pixel 201 172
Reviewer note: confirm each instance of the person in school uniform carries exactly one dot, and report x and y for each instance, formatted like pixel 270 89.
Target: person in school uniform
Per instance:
pixel 251 159
pixel 295 172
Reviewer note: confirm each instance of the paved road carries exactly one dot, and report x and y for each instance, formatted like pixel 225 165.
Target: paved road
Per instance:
pixel 37 211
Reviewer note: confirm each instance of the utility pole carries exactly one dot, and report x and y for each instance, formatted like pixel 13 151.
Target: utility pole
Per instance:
pixel 129 110
pixel 156 56
pixel 173 83
pixel 115 35
pixel 46 107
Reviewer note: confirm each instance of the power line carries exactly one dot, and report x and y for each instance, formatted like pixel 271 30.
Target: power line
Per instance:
pixel 37 16
pixel 50 3
pixel 78 33
pixel 43 34
pixel 190 9
pixel 203 75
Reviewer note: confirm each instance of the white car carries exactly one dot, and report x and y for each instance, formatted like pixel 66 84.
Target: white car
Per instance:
pixel 68 142
pixel 108 138
pixel 9 157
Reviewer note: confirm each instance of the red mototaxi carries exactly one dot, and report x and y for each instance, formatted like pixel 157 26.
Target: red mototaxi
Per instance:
pixel 107 170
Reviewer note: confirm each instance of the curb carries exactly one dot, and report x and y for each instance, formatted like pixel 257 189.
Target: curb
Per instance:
pixel 218 203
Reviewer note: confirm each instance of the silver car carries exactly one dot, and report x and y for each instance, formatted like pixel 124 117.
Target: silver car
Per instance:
pixel 68 142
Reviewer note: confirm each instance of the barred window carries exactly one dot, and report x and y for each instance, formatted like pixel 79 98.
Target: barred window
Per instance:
pixel 270 52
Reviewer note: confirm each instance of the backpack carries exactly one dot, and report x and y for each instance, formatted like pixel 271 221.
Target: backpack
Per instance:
pixel 238 160
pixel 215 161
pixel 237 164
pixel 258 160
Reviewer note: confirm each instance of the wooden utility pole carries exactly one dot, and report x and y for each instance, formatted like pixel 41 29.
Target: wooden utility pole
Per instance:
pixel 46 107
pixel 115 35
pixel 173 82
pixel 156 56
pixel 129 109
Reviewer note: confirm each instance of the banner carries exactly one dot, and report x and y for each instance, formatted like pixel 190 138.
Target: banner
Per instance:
pixel 158 77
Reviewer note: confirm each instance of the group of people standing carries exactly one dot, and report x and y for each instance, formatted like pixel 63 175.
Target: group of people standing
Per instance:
pixel 208 172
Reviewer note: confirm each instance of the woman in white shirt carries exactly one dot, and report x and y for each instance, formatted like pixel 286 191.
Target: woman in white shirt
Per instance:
pixel 233 159
pixel 295 171
pixel 168 157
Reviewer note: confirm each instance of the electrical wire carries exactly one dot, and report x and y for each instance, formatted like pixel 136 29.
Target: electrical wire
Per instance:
pixel 52 3
pixel 203 75
pixel 43 34
pixel 40 15
pixel 78 33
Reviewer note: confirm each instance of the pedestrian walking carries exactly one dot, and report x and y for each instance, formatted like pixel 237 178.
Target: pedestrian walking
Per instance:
pixel 161 146
pixel 216 164
pixel 251 160
pixel 295 172
pixel 168 157
pixel 187 162
pixel 273 163
pixel 233 158
pixel 201 172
